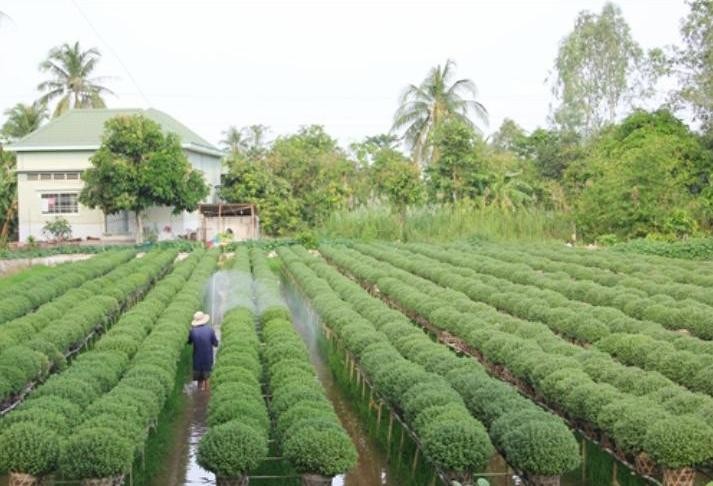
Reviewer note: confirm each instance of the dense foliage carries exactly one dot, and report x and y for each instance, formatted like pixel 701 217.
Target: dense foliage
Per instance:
pixel 70 420
pixel 587 384
pixel 38 343
pixel 238 422
pixel 430 404
pixel 495 404
pixel 312 438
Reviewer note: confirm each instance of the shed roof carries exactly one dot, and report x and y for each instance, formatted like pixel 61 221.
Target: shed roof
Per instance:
pixel 82 129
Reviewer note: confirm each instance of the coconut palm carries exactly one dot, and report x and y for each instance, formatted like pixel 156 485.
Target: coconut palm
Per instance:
pixel 23 119
pixel 234 141
pixel 255 139
pixel 71 69
pixel 438 97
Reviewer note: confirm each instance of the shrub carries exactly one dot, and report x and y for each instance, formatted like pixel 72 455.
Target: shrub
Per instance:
pixel 524 446
pixel 679 442
pixel 457 445
pixel 327 451
pixel 29 448
pixel 232 449
pixel 96 453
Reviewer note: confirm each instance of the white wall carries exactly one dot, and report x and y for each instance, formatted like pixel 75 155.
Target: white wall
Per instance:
pixel 87 222
pixel 90 222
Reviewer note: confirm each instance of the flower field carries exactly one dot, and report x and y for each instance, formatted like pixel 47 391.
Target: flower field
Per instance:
pixel 477 352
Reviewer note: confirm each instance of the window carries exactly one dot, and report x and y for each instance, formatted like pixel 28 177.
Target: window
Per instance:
pixel 72 176
pixel 46 176
pixel 59 176
pixel 32 177
pixel 62 203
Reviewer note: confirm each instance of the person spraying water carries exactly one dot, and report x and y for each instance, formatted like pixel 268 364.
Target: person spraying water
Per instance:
pixel 203 339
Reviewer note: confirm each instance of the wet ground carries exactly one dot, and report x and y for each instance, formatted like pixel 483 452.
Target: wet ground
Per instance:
pixel 372 468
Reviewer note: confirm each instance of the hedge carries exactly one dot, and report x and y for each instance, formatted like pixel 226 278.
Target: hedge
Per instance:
pixel 311 437
pixel 34 345
pixel 580 382
pixel 497 401
pixel 658 350
pixel 77 395
pixel 238 422
pixel 137 398
pixel 407 386
pixel 44 284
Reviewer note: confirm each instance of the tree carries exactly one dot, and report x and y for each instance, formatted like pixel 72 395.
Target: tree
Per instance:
pixel 8 195
pixel 137 167
pixel 599 69
pixel 316 169
pixel 438 98
pixel 250 181
pixel 458 172
pixel 23 119
pixel 396 178
pixel 510 137
pixel 552 151
pixel 234 141
pixel 694 62
pixel 641 177
pixel 71 80
pixel 255 141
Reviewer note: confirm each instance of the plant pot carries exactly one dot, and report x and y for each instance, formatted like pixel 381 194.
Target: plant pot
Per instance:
pixel 241 481
pixel 537 480
pixel 22 479
pixel 316 480
pixel 644 464
pixel 679 477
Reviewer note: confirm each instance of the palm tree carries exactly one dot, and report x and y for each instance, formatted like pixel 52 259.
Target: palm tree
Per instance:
pixel 23 119
pixel 255 139
pixel 234 141
pixel 71 69
pixel 508 192
pixel 438 97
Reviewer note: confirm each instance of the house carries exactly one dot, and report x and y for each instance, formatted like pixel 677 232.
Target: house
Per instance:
pixel 50 161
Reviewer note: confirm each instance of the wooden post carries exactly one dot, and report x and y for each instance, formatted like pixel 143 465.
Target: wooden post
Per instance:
pixel 391 426
pixel 378 417
pixel 584 459
pixel 363 389
pixel 415 461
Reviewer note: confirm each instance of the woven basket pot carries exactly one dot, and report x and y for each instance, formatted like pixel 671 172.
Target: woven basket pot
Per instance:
pixel 22 479
pixel 679 477
pixel 316 480
pixel 644 464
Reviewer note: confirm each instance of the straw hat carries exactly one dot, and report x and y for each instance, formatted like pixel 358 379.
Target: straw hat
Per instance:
pixel 199 318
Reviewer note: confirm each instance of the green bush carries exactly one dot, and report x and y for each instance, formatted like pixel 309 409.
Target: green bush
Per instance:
pixel 525 448
pixel 96 453
pixel 29 448
pixel 327 451
pixel 232 449
pixel 679 442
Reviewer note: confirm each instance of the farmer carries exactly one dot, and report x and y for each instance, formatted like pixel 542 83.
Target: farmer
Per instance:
pixel 203 339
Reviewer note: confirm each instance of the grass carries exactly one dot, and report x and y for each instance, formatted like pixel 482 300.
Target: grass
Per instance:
pixel 447 223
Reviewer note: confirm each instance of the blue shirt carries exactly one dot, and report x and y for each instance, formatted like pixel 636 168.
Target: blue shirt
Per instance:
pixel 203 339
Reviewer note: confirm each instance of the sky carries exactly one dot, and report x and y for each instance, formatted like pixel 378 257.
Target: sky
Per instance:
pixel 284 64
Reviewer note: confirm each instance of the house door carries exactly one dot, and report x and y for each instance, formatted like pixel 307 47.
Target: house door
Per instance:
pixel 117 224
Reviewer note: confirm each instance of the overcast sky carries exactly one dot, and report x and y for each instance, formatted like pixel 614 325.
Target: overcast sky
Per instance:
pixel 339 63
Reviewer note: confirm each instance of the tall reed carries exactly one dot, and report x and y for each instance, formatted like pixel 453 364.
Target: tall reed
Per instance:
pixel 437 223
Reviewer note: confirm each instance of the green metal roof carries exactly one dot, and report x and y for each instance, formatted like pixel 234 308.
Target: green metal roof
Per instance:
pixel 82 129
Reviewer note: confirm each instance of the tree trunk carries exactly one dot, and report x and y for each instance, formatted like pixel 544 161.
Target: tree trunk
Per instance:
pixel 4 233
pixel 139 227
